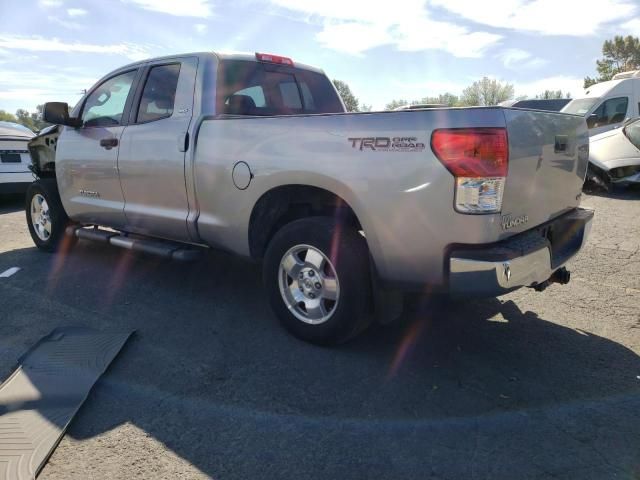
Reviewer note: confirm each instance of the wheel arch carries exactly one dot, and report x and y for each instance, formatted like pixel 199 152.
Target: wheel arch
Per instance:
pixel 286 203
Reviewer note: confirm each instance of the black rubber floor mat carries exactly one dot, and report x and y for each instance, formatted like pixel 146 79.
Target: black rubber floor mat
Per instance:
pixel 38 401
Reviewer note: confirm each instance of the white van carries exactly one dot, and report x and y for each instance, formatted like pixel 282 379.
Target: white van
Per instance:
pixel 608 105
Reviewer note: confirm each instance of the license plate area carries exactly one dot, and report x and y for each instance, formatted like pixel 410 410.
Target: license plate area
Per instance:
pixel 10 157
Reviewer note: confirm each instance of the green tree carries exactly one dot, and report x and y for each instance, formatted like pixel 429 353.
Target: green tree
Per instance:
pixel 393 104
pixel 619 54
pixel 448 99
pixel 588 81
pixel 486 92
pixel 24 118
pixel 551 95
pixel 32 120
pixel 349 99
pixel 7 117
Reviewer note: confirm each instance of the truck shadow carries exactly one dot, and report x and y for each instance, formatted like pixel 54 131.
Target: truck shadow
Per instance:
pixel 631 192
pixel 213 377
pixel 11 203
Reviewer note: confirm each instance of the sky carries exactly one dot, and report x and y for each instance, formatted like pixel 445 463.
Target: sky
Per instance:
pixel 50 50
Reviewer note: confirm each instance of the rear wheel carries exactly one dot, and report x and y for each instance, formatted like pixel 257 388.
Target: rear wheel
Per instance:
pixel 46 217
pixel 316 275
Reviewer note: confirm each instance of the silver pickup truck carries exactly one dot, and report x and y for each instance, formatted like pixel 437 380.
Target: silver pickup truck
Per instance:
pixel 256 155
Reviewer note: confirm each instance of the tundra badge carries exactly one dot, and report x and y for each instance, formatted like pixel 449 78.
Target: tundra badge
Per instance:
pixel 89 193
pixel 509 221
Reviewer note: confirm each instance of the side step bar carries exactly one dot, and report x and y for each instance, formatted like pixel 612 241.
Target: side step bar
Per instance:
pixel 175 251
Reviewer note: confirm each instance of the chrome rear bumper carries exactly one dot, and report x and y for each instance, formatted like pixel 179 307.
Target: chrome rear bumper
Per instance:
pixel 525 260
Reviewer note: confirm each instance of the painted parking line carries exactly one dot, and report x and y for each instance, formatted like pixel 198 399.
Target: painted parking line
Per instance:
pixel 7 273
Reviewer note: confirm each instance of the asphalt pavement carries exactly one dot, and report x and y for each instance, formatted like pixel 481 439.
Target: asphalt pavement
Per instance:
pixel 527 386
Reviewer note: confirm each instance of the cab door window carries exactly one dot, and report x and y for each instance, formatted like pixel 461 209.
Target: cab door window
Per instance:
pixel 611 111
pixel 159 94
pixel 105 106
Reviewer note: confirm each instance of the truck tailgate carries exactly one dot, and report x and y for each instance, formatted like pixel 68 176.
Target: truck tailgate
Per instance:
pixel 548 156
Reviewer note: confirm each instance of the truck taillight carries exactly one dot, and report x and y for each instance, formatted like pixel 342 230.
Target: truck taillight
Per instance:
pixel 478 158
pixel 267 57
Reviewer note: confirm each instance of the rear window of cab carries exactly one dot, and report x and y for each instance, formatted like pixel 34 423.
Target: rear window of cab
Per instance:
pixel 262 89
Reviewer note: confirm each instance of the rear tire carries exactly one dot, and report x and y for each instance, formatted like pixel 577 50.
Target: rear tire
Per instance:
pixel 46 217
pixel 316 274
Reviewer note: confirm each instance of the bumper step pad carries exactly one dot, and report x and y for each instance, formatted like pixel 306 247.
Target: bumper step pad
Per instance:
pixel 40 398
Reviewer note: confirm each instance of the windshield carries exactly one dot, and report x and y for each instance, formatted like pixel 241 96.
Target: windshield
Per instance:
pixel 580 106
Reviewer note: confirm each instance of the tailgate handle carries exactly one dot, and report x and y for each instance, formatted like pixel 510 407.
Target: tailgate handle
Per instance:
pixel 561 143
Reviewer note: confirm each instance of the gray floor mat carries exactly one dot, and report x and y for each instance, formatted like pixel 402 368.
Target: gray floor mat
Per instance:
pixel 39 399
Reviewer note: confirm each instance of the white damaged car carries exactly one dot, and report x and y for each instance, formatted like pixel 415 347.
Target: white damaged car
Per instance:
pixel 15 175
pixel 614 156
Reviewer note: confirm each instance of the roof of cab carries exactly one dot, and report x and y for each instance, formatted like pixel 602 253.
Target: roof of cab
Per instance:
pixel 245 56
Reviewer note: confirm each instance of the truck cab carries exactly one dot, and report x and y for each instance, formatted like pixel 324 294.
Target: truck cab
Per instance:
pixel 607 105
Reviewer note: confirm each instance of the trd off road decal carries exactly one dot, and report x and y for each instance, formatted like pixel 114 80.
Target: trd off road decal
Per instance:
pixel 387 144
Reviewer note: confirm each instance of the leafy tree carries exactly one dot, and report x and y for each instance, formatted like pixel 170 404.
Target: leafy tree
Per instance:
pixel 552 94
pixel 7 117
pixel 486 92
pixel 349 99
pixel 619 54
pixel 393 104
pixel 31 120
pixel 365 108
pixel 588 81
pixel 24 118
pixel 448 99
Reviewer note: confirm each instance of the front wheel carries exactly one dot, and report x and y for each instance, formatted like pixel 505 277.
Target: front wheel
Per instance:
pixel 316 274
pixel 46 217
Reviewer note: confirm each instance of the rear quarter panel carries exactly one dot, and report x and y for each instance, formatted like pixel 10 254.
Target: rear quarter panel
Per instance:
pixel 403 200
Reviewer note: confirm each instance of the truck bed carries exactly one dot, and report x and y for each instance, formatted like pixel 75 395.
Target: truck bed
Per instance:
pixel 403 197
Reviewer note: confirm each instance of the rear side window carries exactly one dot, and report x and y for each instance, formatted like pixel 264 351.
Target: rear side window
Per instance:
pixel 254 88
pixel 159 94
pixel 290 94
pixel 632 131
pixel 611 111
pixel 256 93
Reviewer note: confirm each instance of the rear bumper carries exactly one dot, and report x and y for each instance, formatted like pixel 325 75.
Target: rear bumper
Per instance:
pixel 524 260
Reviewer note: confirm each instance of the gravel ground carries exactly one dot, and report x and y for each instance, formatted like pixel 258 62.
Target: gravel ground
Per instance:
pixel 528 386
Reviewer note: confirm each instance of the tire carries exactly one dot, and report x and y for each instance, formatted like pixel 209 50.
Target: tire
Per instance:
pixel 343 272
pixel 46 217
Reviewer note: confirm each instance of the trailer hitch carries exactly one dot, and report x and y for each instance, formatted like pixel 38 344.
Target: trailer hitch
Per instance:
pixel 561 276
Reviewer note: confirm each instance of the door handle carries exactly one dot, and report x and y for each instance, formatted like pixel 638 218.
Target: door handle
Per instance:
pixel 109 143
pixel 183 142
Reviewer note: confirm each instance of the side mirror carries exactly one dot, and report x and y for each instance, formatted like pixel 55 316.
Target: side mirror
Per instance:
pixel 591 120
pixel 58 114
